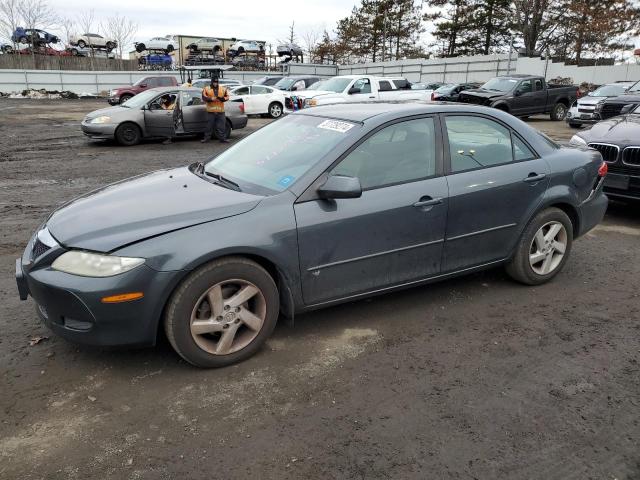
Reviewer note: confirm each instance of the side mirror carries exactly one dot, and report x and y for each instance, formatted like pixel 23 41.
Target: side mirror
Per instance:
pixel 353 90
pixel 517 93
pixel 143 85
pixel 627 109
pixel 340 186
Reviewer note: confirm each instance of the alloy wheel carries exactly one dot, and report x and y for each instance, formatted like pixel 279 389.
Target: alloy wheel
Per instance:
pixel 548 247
pixel 276 110
pixel 228 317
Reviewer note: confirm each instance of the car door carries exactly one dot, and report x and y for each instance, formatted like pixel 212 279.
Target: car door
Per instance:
pixel 393 234
pixel 194 112
pixel 523 98
pixel 261 98
pixel 366 92
pixel 157 121
pixel 247 98
pixel 496 181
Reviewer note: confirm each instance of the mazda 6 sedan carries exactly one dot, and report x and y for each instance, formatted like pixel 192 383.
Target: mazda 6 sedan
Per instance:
pixel 327 205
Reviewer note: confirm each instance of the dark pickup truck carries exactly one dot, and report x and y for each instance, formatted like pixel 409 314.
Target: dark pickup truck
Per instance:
pixel 523 95
pixel 614 106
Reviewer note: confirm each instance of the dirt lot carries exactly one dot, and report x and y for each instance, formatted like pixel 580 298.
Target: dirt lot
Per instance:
pixel 474 378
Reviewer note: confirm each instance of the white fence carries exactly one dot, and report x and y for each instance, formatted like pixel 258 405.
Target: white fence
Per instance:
pixel 460 69
pixel 479 68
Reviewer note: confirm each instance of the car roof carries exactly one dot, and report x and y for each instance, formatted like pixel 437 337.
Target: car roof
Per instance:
pixel 362 111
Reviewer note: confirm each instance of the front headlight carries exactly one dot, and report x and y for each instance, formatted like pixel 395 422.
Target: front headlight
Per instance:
pixel 88 264
pixel 313 102
pixel 577 141
pixel 102 119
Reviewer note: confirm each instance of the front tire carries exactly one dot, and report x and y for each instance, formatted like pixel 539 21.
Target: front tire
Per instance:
pixel 128 134
pixel 124 98
pixel 543 248
pixel 82 44
pixel 575 125
pixel 169 48
pixel 222 313
pixel 559 112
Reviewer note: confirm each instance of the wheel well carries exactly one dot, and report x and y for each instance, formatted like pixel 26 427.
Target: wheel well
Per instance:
pixel 572 213
pixel 564 101
pixel 502 106
pixel 286 300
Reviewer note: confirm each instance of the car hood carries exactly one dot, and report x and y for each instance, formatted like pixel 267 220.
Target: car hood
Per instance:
pixel 142 207
pixel 480 92
pixel 590 101
pixel 625 98
pixel 107 112
pixel 620 130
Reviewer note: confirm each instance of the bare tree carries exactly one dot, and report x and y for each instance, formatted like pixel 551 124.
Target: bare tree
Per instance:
pixel 37 14
pixel 86 21
pixel 68 26
pixel 9 17
pixel 121 29
pixel 311 39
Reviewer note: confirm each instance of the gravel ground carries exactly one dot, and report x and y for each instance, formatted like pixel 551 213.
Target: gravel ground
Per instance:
pixel 472 378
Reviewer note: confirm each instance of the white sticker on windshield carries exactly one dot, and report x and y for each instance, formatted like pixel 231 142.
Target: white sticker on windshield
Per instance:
pixel 336 126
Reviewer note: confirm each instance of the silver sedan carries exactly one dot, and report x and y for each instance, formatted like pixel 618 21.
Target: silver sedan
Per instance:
pixel 143 116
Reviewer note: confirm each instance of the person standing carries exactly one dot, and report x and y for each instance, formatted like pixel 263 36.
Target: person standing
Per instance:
pixel 214 96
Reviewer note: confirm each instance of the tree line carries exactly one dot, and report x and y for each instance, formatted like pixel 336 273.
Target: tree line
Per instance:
pixel 571 30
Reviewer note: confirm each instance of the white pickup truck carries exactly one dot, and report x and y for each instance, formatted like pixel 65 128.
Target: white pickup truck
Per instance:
pixel 361 88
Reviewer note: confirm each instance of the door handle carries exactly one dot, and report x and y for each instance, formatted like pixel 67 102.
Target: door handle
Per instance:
pixel 372 97
pixel 427 202
pixel 534 177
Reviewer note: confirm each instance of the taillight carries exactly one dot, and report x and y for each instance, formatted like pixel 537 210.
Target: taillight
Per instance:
pixel 242 107
pixel 604 168
pixel 578 93
pixel 433 96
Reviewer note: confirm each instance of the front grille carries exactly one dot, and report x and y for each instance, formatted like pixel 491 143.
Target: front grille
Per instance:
pixel 631 156
pixel 624 170
pixel 39 248
pixel 585 110
pixel 609 152
pixel 611 109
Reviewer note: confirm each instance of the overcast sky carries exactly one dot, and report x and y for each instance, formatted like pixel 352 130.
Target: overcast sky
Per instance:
pixel 257 20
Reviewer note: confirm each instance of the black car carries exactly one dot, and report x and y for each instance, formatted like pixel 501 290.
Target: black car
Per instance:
pixel 618 140
pixel 426 85
pixel 451 91
pixel 612 107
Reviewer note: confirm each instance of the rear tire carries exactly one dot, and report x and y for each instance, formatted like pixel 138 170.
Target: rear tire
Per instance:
pixel 559 112
pixel 82 44
pixel 110 46
pixel 128 134
pixel 275 110
pixel 211 298
pixel 169 48
pixel 541 254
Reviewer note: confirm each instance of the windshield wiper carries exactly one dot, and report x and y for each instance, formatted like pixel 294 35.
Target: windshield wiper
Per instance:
pixel 224 182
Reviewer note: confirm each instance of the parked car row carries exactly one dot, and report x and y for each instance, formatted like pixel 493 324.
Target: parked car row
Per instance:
pixel 588 110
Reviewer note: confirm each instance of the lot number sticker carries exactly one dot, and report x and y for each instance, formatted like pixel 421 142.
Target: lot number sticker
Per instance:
pixel 336 126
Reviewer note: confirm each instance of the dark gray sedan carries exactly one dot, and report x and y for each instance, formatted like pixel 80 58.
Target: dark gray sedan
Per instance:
pixel 327 205
pixel 142 116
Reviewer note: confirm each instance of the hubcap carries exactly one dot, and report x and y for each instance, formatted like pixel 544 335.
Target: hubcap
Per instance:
pixel 561 112
pixel 547 248
pixel 228 317
pixel 275 111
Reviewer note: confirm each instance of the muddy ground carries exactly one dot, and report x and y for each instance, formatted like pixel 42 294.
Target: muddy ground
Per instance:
pixel 473 378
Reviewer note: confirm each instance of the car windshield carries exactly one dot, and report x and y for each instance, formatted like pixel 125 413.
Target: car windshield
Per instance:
pixel 139 82
pixel 609 90
pixel 285 83
pixel 274 166
pixel 634 88
pixel 446 88
pixel 336 84
pixel 318 85
pixel 140 99
pixel 500 84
